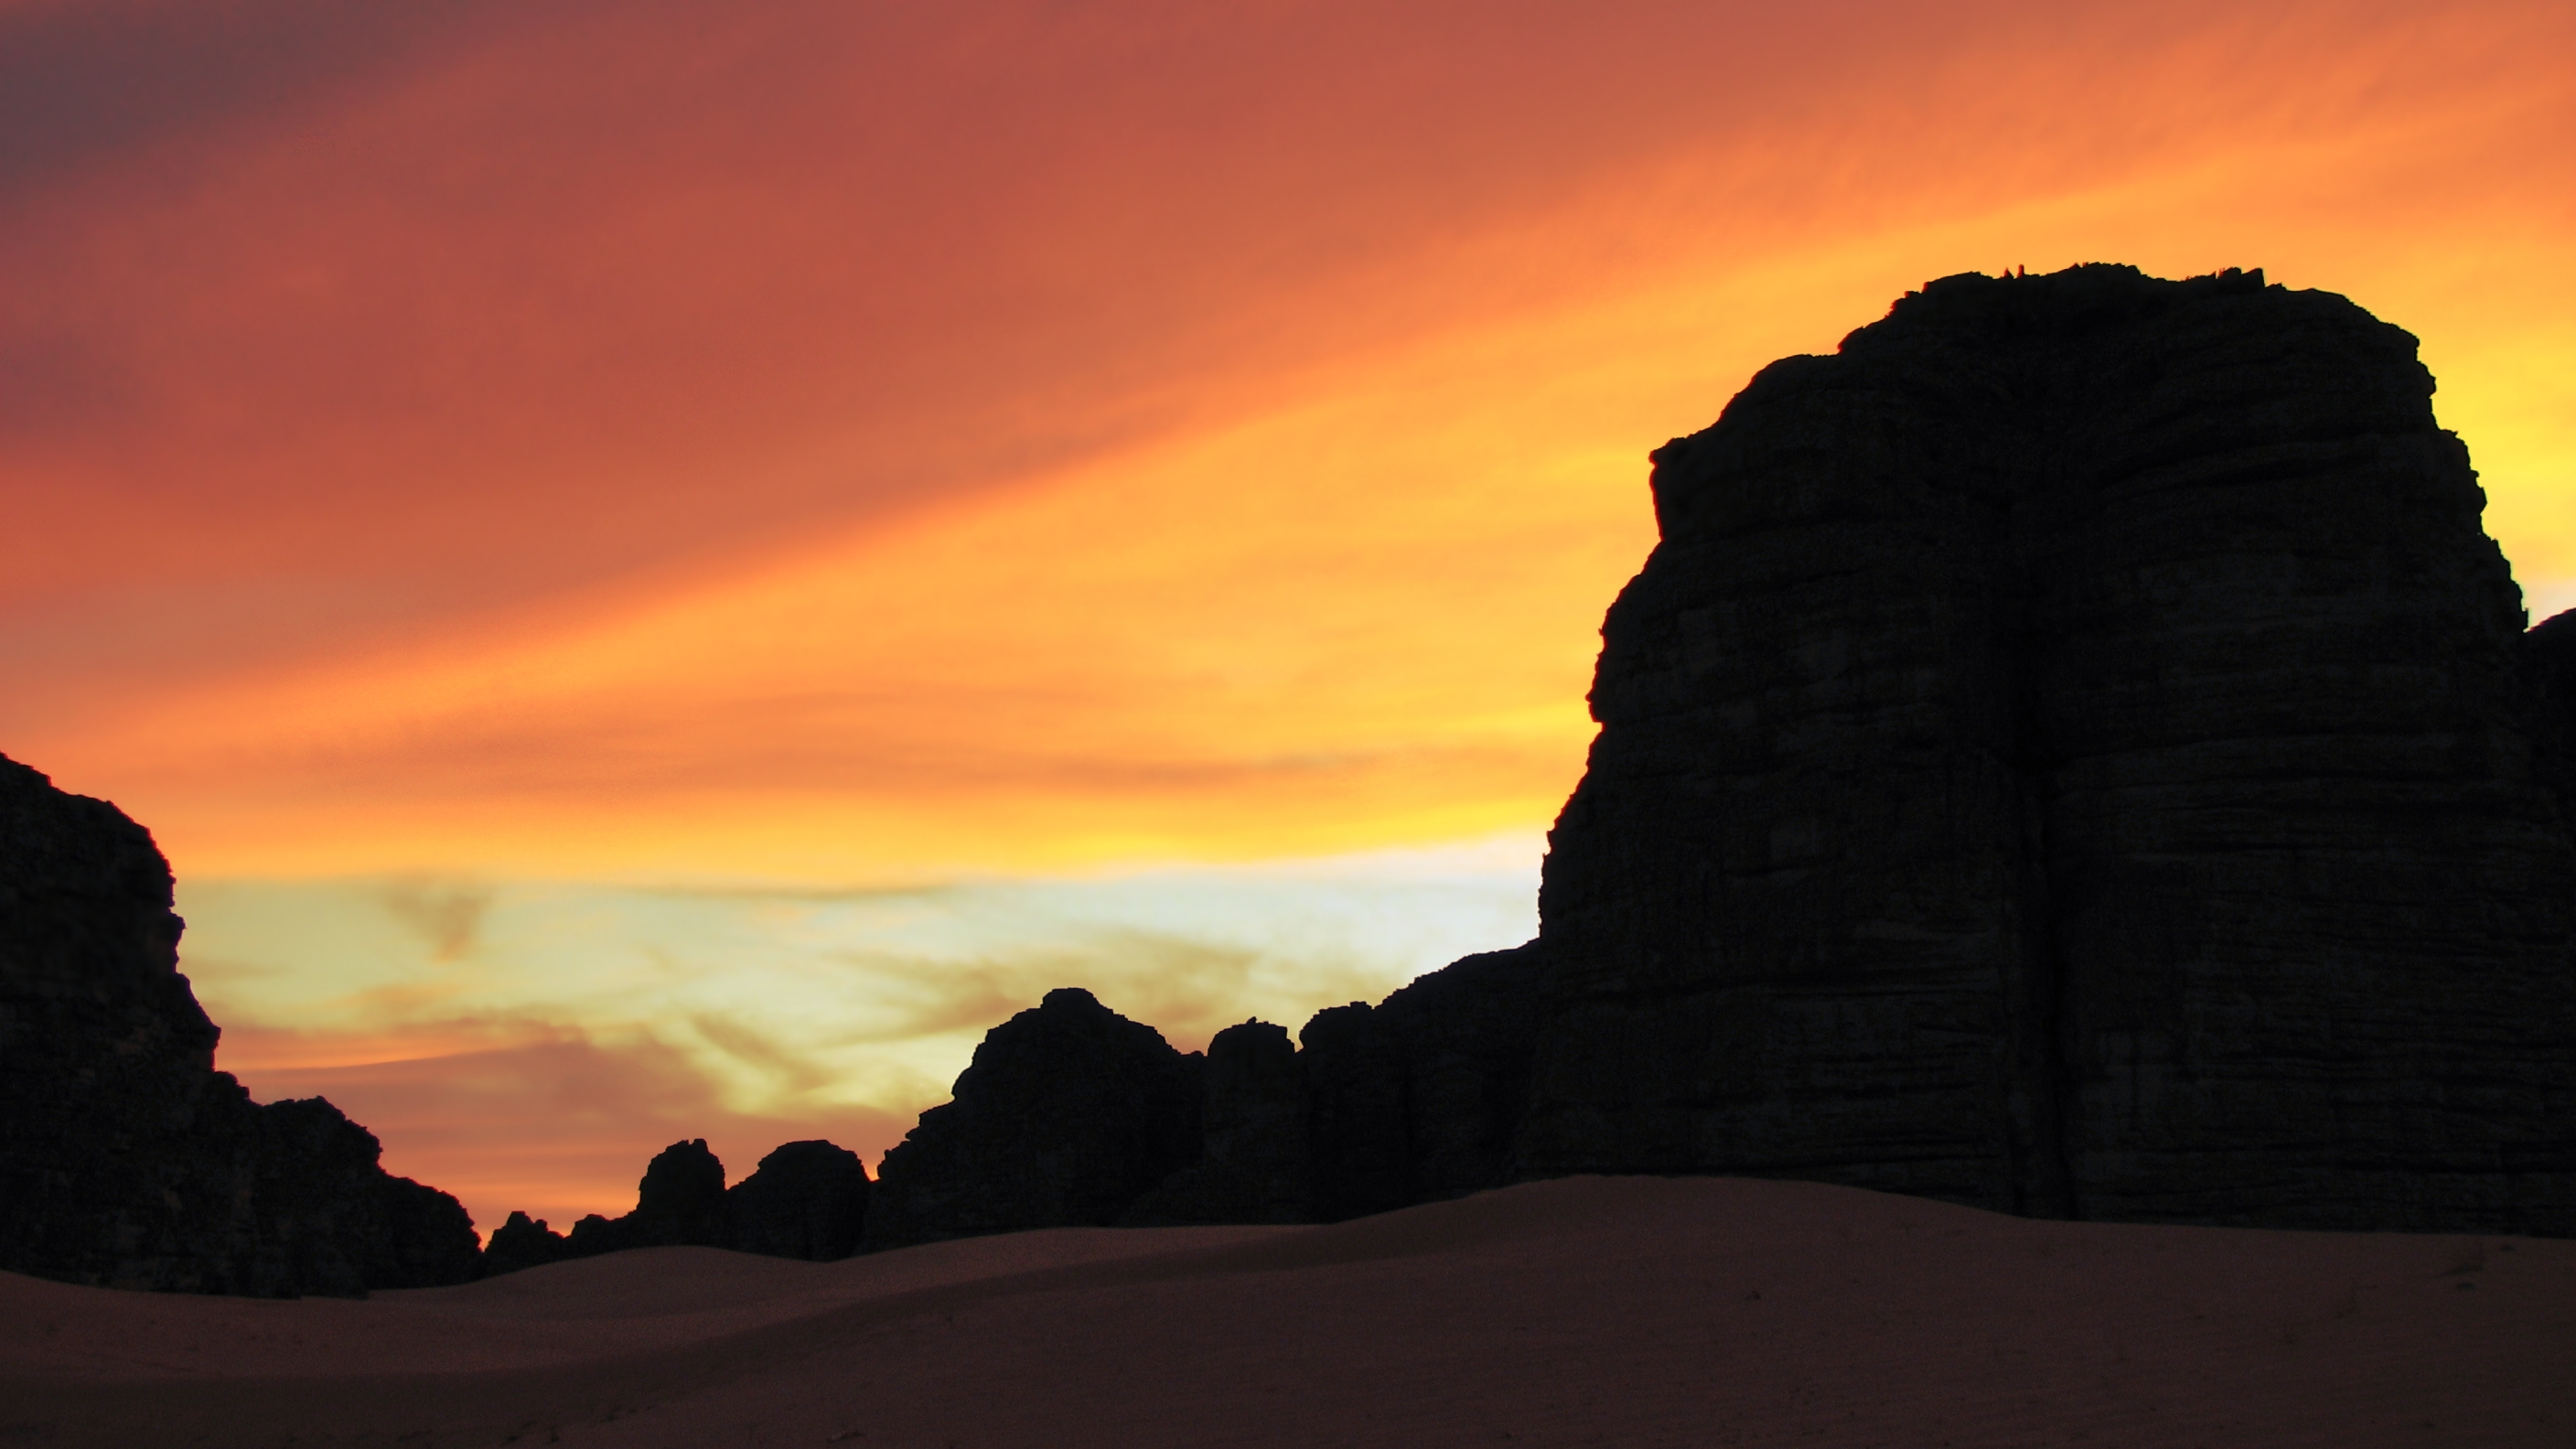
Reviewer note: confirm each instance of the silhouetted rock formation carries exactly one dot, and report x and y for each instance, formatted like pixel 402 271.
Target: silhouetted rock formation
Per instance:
pixel 1253 1167
pixel 2073 751
pixel 125 1158
pixel 522 1242
pixel 1466 1035
pixel 1360 1136
pixel 806 1200
pixel 1069 1113
pixel 681 1201
pixel 1409 1101
pixel 2067 755
pixel 2549 665
pixel 1418 1098
pixel 593 1234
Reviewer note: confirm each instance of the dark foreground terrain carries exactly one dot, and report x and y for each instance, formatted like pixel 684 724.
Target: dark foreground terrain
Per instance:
pixel 1687 1312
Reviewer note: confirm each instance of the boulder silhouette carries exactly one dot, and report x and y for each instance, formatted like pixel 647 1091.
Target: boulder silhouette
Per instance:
pixel 680 1202
pixel 593 1234
pixel 1068 1114
pixel 805 1200
pixel 522 1242
pixel 125 1158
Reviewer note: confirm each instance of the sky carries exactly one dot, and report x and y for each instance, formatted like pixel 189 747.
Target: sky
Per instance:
pixel 657 567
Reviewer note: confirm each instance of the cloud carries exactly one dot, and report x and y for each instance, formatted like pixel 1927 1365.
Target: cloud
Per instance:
pixel 57 382
pixel 81 83
pixel 589 1026
pixel 473 318
pixel 512 1113
pixel 874 444
pixel 449 917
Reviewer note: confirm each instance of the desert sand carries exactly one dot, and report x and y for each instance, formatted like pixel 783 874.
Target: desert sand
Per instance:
pixel 1629 1311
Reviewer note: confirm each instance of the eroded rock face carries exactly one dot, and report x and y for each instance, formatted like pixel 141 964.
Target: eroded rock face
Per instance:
pixel 125 1158
pixel 2069 754
pixel 1068 1114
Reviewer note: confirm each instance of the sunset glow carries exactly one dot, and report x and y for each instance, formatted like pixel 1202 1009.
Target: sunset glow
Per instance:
pixel 598 461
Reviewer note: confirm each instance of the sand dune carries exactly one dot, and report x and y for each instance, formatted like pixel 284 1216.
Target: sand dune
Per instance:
pixel 1612 1311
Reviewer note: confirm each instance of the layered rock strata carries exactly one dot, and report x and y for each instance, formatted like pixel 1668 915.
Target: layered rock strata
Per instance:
pixel 125 1157
pixel 2073 752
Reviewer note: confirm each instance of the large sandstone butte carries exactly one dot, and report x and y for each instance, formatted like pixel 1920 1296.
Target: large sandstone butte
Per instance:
pixel 2074 751
pixel 125 1157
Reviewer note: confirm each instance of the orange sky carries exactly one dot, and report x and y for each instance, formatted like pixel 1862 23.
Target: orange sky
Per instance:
pixel 853 446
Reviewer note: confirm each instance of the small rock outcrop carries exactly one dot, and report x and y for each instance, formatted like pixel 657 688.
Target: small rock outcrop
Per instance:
pixel 524 1242
pixel 1418 1098
pixel 1068 1114
pixel 1255 1161
pixel 680 1203
pixel 805 1200
pixel 1413 1100
pixel 126 1159
pixel 2074 751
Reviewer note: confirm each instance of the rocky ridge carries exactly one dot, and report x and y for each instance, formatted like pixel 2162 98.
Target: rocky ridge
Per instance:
pixel 805 1200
